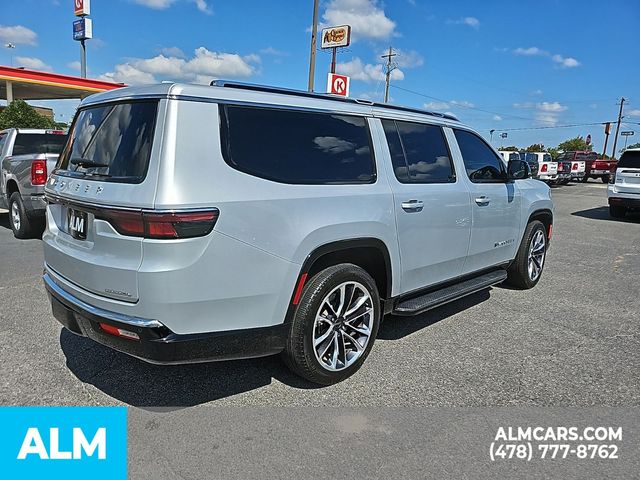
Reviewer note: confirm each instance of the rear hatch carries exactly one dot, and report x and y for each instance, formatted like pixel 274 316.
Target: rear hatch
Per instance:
pixel 628 173
pixel 104 178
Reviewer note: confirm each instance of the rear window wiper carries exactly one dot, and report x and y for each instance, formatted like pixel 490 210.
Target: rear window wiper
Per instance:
pixel 92 174
pixel 85 162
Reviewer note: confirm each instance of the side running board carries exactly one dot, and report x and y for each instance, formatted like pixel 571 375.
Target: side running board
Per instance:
pixel 434 299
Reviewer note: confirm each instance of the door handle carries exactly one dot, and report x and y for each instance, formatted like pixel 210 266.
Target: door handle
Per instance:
pixel 412 206
pixel 483 200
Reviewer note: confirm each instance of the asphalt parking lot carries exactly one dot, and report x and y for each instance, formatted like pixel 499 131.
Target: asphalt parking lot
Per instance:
pixel 574 340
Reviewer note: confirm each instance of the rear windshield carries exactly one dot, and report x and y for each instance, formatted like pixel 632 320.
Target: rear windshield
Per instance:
pixel 514 156
pixel 33 143
pixel 630 159
pixel 111 141
pixel 547 158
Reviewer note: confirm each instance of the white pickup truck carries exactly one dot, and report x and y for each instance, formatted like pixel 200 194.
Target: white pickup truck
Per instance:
pixel 548 169
pixel 26 157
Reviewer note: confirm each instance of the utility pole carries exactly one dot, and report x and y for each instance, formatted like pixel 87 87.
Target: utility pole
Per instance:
pixel 314 34
pixel 390 67
pixel 615 139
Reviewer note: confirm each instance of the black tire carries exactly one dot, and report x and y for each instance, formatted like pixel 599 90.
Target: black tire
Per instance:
pixel 518 272
pixel 616 211
pixel 299 353
pixel 605 178
pixel 23 227
pixel 585 179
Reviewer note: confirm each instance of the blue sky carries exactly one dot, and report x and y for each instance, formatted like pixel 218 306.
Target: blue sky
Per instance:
pixel 495 64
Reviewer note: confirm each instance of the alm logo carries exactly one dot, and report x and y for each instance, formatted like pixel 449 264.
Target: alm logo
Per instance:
pixel 34 445
pixel 63 442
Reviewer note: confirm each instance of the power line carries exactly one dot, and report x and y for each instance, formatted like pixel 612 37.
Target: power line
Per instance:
pixel 461 105
pixel 550 127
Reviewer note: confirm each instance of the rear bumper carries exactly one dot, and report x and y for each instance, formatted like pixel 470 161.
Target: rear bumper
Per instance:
pixel 157 343
pixel 625 202
pixel 35 205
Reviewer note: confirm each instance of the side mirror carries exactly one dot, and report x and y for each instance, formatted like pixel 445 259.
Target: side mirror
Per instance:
pixel 518 170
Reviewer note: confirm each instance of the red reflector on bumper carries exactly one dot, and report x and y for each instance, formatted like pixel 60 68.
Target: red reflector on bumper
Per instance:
pixel 118 332
pixel 298 294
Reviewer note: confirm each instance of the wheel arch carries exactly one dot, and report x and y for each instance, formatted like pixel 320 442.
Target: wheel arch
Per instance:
pixel 11 188
pixel 546 217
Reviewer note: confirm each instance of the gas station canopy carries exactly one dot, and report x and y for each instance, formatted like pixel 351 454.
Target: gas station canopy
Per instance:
pixel 35 85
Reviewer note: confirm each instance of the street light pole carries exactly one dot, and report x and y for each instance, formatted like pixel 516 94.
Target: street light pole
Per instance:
pixel 83 59
pixel 314 34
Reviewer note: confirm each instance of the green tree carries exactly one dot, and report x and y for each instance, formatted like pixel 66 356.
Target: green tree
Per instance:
pixel 635 145
pixel 536 147
pixel 574 144
pixel 19 114
pixel 512 148
pixel 553 152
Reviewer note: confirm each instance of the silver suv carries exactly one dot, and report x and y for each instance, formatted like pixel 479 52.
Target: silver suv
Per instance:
pixel 196 223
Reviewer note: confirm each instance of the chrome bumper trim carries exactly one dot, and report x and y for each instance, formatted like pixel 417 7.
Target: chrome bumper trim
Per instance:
pixel 80 306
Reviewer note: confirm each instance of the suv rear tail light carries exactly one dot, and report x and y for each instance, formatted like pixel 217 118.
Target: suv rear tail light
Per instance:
pixel 544 168
pixel 38 172
pixel 168 225
pixel 574 166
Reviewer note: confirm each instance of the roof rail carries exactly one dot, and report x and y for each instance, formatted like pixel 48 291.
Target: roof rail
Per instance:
pixel 302 93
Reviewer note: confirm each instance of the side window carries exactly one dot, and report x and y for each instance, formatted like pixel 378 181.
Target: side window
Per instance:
pixel 481 163
pixel 419 152
pixel 297 147
pixel 3 140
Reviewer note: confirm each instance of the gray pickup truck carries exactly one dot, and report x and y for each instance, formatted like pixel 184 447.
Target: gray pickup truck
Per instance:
pixel 27 156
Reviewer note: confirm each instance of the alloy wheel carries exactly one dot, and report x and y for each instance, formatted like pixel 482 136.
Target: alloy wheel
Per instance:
pixel 342 327
pixel 15 216
pixel 537 251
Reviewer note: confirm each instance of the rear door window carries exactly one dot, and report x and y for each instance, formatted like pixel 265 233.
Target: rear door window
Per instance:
pixel 481 163
pixel 3 140
pixel 630 159
pixel 111 141
pixel 34 143
pixel 297 147
pixel 419 152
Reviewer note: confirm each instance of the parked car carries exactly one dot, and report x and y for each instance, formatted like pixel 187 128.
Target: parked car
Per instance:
pixel 564 172
pixel 532 160
pixel 578 163
pixel 194 223
pixel 598 167
pixel 508 155
pixel 547 168
pixel 26 155
pixel 624 184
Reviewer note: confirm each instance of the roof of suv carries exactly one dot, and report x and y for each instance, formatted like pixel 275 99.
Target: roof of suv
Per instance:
pixel 258 94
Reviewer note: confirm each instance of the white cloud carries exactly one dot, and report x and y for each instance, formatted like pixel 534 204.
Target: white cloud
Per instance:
pixel 462 103
pixel 32 63
pixel 201 5
pixel 274 52
pixel 358 70
pixel 551 107
pixel 436 106
pixel 173 52
pixel 18 35
pixel 524 105
pixel 536 92
pixel 203 67
pixel 566 62
pixel 366 17
pixel 547 119
pixel 632 113
pixel 497 118
pixel 155 4
pixel 469 21
pixel 75 65
pixel 529 52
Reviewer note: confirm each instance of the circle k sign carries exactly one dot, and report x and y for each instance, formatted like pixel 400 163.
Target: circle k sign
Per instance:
pixel 338 84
